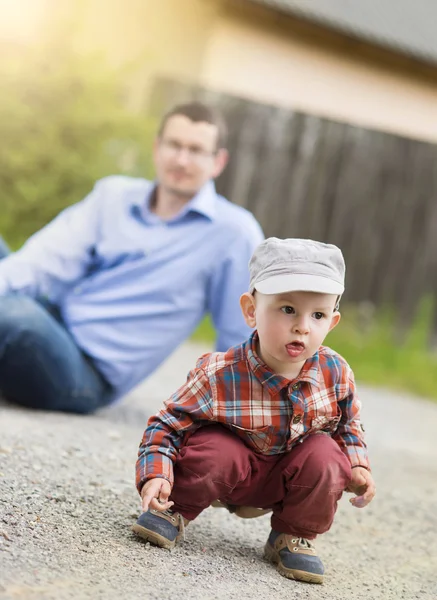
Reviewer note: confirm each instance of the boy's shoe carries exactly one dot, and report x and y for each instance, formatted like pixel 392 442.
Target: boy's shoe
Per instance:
pixel 161 528
pixel 296 557
pixel 245 512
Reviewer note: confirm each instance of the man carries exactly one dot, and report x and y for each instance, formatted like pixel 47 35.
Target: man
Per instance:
pixel 98 298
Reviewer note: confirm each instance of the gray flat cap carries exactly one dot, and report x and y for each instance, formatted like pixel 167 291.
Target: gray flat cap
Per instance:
pixel 293 264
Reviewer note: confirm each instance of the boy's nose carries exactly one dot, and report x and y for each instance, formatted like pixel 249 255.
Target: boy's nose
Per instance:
pixel 301 325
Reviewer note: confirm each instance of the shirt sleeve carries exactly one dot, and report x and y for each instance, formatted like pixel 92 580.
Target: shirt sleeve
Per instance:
pixel 350 433
pixel 184 412
pixel 229 281
pixel 57 256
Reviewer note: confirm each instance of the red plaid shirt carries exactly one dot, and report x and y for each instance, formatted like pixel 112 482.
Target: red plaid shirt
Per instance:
pixel 270 413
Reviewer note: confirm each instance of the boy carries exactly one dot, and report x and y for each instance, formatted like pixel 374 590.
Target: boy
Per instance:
pixel 272 423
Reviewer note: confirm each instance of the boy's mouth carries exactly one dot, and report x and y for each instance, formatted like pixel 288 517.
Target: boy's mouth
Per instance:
pixel 295 349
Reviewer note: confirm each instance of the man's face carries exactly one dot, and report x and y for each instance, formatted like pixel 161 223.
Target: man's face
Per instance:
pixel 186 156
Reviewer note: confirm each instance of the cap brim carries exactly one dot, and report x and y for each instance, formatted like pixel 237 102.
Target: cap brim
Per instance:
pixel 299 283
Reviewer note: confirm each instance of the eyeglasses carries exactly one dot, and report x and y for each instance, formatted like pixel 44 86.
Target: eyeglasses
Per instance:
pixel 195 154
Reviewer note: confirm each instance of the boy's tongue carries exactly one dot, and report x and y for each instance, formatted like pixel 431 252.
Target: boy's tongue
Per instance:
pixel 295 349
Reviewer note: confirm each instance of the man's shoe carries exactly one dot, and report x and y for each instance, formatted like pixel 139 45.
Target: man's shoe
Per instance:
pixel 161 528
pixel 296 557
pixel 245 512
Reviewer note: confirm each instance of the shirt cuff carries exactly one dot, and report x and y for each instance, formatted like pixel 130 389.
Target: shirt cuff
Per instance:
pixel 155 465
pixel 357 456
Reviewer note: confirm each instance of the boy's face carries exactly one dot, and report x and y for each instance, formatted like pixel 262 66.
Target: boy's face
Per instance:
pixel 291 326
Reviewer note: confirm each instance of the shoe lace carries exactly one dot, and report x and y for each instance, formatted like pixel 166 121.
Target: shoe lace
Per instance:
pixel 302 543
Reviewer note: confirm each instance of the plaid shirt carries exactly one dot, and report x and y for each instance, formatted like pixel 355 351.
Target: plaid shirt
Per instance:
pixel 270 413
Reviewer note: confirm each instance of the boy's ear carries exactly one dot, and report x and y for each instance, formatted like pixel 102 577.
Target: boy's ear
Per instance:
pixel 335 320
pixel 247 303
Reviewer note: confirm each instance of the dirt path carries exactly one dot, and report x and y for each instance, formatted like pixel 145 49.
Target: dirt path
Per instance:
pixel 67 501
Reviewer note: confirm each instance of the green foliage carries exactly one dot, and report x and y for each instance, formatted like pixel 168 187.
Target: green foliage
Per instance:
pixel 205 332
pixel 378 359
pixel 371 350
pixel 64 124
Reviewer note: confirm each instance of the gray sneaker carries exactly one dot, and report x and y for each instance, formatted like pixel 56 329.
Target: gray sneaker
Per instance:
pixel 296 557
pixel 161 528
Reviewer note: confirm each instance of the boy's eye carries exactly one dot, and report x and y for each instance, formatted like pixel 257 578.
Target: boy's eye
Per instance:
pixel 318 315
pixel 288 310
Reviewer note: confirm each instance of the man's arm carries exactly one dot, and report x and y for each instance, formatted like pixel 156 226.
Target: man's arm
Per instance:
pixel 350 433
pixel 228 283
pixel 57 256
pixel 165 432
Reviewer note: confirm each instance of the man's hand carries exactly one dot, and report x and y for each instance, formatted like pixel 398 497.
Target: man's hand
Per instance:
pixel 363 486
pixel 155 493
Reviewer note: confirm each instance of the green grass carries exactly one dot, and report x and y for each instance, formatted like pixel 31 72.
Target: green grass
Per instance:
pixel 205 332
pixel 369 345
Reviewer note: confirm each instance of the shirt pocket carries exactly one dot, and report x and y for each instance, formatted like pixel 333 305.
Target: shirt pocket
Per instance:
pixel 259 439
pixel 324 423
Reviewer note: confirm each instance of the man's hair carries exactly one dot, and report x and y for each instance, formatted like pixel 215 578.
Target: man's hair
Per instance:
pixel 198 112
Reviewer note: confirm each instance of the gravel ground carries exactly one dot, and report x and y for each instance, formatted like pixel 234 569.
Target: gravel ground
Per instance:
pixel 67 501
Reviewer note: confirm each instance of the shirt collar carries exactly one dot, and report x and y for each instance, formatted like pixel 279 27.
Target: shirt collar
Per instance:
pixel 262 372
pixel 203 203
pixel 310 371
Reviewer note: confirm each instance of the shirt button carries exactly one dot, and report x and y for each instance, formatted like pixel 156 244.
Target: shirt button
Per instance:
pixel 297 419
pixel 295 386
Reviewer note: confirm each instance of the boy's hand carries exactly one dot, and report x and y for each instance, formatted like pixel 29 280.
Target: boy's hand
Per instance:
pixel 363 486
pixel 155 493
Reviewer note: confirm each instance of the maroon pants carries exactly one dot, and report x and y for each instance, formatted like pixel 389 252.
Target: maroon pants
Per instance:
pixel 302 486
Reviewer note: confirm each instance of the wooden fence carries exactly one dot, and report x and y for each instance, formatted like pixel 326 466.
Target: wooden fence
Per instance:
pixel 371 193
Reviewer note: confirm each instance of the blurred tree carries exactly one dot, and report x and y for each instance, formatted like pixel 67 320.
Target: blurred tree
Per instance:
pixel 64 123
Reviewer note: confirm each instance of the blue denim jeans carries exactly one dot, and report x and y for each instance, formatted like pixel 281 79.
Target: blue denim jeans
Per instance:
pixel 40 364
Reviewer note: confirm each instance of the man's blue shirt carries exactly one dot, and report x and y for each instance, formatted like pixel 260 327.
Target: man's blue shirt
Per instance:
pixel 130 286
